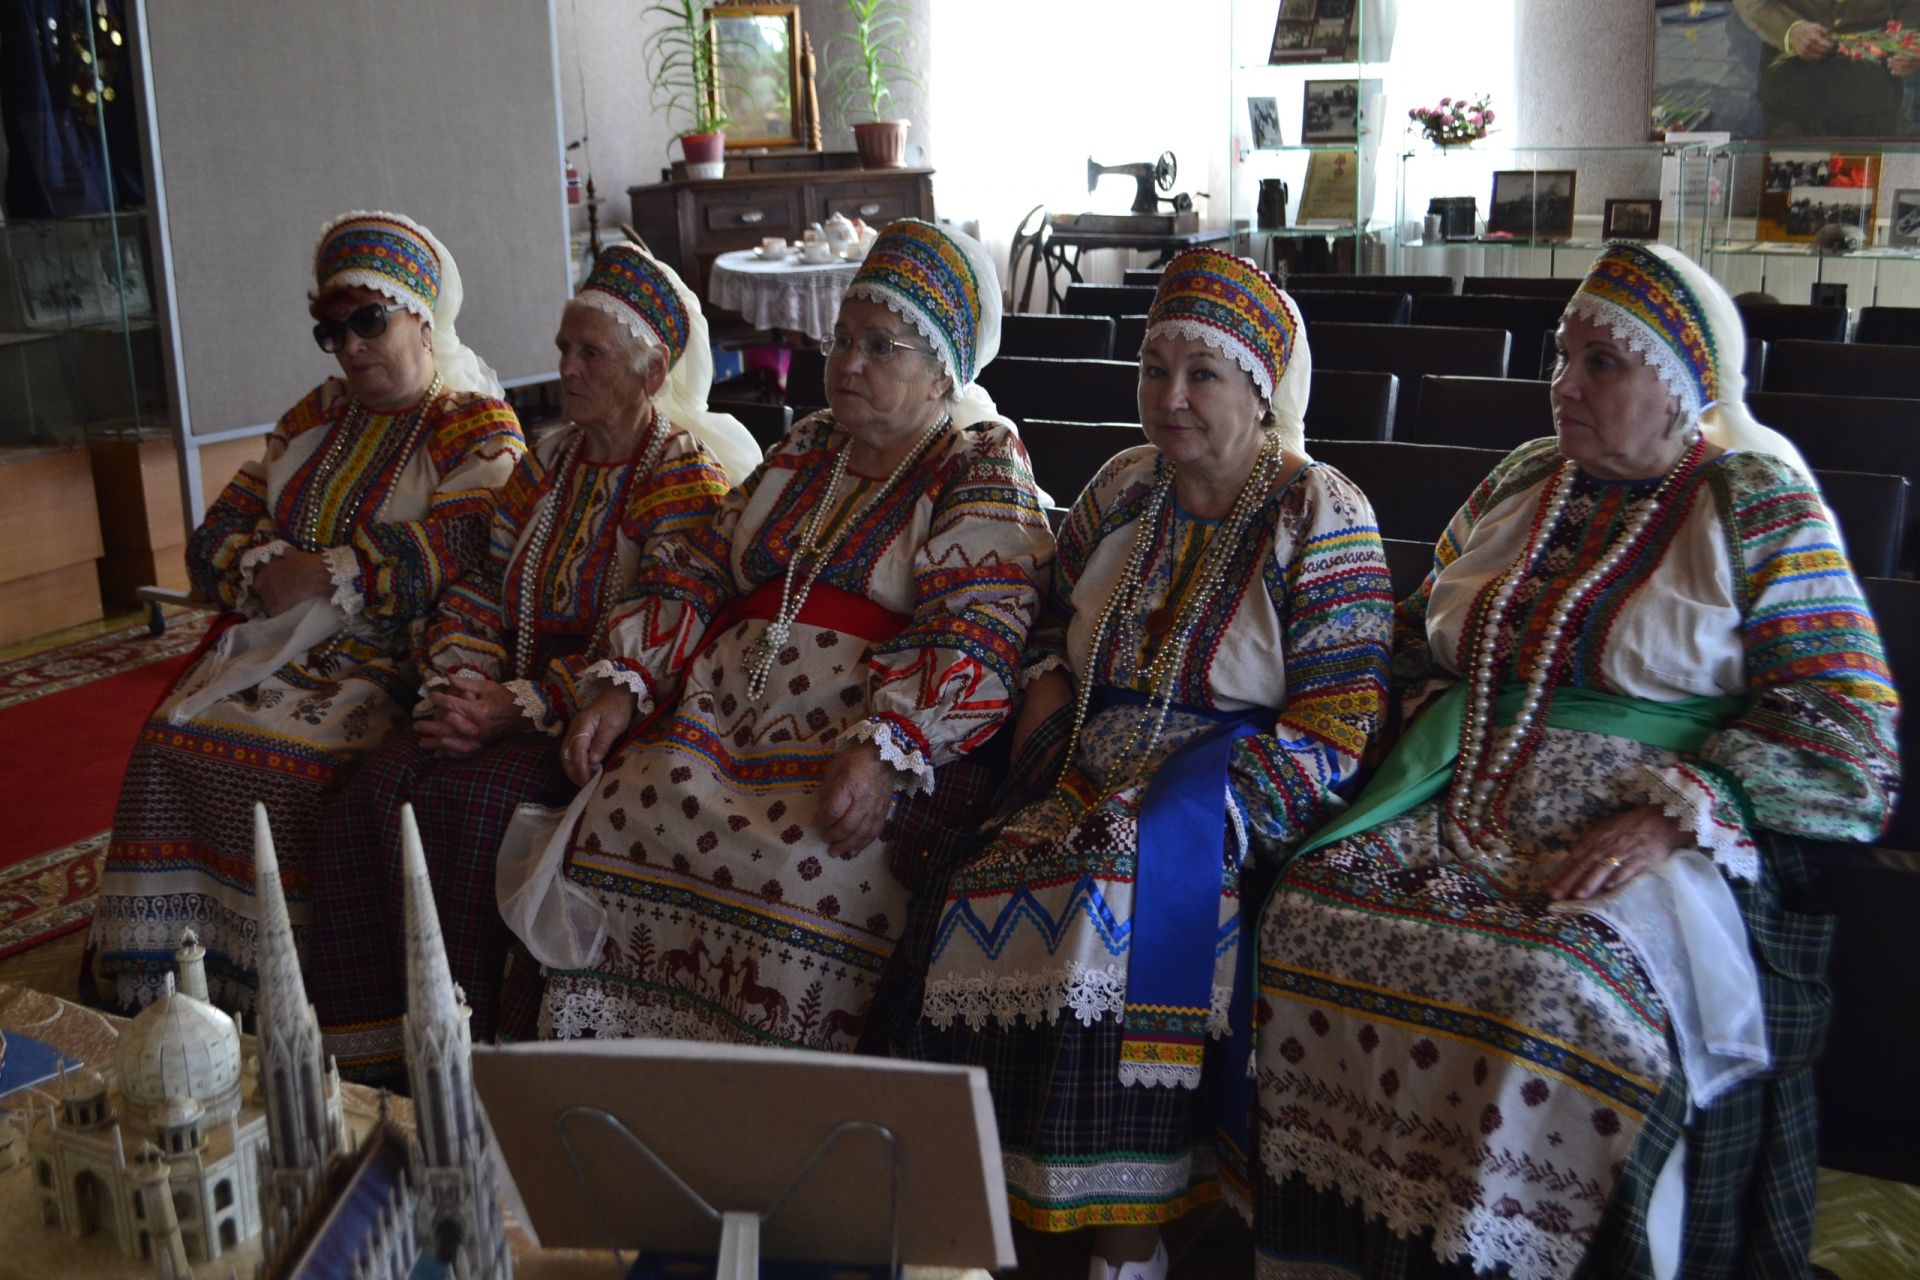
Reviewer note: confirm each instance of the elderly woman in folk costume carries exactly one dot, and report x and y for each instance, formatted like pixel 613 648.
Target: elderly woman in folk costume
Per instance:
pixel 1218 628
pixel 809 674
pixel 373 494
pixel 1544 1000
pixel 641 460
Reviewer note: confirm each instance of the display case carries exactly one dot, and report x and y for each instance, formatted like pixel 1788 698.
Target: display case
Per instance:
pixel 1543 211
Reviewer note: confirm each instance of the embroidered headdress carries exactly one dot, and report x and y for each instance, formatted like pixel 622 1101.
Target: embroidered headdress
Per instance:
pixel 1232 306
pixel 943 284
pixel 1644 302
pixel 640 293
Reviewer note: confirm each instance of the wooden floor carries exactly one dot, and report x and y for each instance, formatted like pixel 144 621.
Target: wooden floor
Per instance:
pixel 1867 1229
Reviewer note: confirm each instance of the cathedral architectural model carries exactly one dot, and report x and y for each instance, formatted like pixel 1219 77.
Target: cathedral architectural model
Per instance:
pixel 178 1154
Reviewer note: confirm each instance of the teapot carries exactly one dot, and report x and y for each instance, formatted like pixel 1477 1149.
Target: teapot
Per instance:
pixel 840 233
pixel 866 235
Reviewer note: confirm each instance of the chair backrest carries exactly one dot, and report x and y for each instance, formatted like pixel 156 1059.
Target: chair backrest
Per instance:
pixel 1031 238
pixel 1067 455
pixel 1872 513
pixel 1485 413
pixel 1840 368
pixel 1888 326
pixel 1896 609
pixel 1850 433
pixel 1411 352
pixel 1415 488
pixel 1368 284
pixel 1062 337
pixel 1558 288
pixel 1108 299
pixel 1352 404
pixel 768 424
pixel 1026 387
pixel 1355 306
pixel 1773 321
pixel 1129 334
pixel 806 380
pixel 1149 276
pixel 1408 564
pixel 1524 319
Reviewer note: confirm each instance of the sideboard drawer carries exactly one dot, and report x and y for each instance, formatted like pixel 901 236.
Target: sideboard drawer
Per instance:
pixel 878 203
pixel 763 212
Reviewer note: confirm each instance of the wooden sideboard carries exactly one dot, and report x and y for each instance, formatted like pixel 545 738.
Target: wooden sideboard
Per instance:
pixel 689 223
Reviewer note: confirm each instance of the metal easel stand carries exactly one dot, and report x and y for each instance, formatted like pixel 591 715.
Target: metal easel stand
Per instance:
pixel 739 1228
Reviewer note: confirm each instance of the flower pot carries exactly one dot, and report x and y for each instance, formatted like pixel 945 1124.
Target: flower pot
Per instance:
pixel 706 154
pixel 882 143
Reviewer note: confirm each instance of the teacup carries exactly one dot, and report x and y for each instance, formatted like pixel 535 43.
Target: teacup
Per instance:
pixel 772 246
pixel 817 251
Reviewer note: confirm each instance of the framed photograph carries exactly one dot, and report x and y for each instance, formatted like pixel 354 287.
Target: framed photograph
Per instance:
pixel 1532 204
pixel 1296 10
pixel 1332 188
pixel 1803 191
pixel 1330 34
pixel 1632 220
pixel 1264 113
pixel 1293 42
pixel 1903 226
pixel 1331 112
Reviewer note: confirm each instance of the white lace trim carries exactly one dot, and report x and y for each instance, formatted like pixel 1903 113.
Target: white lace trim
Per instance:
pixel 534 707
pixel 898 750
pixel 1228 346
pixel 926 328
pixel 1693 807
pixel 624 315
pixel 1034 670
pixel 1638 338
pixel 1035 998
pixel 1159 1075
pixel 250 561
pixel 1480 1233
pixel 632 681
pixel 344 568
pixel 574 1008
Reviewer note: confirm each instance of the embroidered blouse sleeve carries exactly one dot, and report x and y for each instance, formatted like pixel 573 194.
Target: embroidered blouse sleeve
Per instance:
pixel 1815 753
pixel 677 503
pixel 239 527
pixel 1330 575
pixel 941 687
pixel 394 571
pixel 469 631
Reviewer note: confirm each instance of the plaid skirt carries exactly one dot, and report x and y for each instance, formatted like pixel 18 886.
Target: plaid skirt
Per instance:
pixel 1751 1158
pixel 356 956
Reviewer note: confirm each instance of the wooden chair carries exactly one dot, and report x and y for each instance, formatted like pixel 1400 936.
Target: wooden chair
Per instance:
pixel 1485 413
pixel 1032 238
pixel 1525 320
pixel 1774 321
pixel 1555 288
pixel 1840 369
pixel 1061 337
pixel 1149 276
pixel 1324 280
pixel 1871 510
pixel 1025 387
pixel 1888 326
pixel 1108 300
pixel 1129 333
pixel 768 424
pixel 1348 404
pixel 806 381
pixel 1408 564
pixel 1067 455
pixel 1415 488
pixel 1851 433
pixel 1410 352
pixel 1354 306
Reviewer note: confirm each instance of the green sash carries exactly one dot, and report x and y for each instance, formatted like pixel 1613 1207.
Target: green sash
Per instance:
pixel 1421 763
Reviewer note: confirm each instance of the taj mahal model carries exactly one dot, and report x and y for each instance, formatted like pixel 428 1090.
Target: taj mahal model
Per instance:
pixel 180 1151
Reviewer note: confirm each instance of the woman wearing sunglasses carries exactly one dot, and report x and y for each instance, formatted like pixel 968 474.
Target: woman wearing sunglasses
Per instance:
pixel 328 555
pixel 641 461
pixel 729 873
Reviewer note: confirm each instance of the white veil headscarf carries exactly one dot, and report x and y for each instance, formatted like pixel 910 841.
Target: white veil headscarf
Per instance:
pixel 459 368
pixel 683 399
pixel 1290 397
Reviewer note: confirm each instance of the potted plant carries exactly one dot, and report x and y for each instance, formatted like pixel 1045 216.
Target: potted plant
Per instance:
pixel 864 65
pixel 684 72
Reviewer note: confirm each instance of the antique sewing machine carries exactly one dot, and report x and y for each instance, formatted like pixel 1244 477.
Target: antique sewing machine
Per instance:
pixel 1146 217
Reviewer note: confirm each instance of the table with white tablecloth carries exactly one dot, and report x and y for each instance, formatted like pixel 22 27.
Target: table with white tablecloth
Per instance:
pixel 781 293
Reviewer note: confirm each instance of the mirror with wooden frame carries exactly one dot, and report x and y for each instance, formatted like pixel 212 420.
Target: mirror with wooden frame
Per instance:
pixel 757 55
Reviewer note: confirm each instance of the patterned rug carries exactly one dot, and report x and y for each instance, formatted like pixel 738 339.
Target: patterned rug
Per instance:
pixel 68 717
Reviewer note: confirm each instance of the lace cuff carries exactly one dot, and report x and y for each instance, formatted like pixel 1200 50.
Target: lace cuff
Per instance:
pixel 343 566
pixel 631 678
pixel 535 706
pixel 900 746
pixel 1691 798
pixel 1039 667
pixel 250 561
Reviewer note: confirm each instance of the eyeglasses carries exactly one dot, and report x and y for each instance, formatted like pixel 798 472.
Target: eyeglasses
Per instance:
pixel 368 322
pixel 876 347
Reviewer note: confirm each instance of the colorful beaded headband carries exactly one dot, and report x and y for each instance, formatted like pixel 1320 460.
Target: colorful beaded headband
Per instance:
pixel 919 272
pixel 384 252
pixel 1645 303
pixel 1232 306
pixel 641 294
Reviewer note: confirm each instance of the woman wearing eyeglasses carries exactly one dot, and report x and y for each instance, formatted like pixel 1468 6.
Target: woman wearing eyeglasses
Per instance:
pixel 725 873
pixel 328 554
pixel 641 461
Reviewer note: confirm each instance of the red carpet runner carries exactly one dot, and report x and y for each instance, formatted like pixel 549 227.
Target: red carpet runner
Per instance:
pixel 68 718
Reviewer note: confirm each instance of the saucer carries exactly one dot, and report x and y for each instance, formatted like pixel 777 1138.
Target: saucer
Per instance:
pixel 760 252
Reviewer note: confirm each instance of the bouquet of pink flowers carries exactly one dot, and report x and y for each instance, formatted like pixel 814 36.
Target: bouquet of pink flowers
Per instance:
pixel 1454 121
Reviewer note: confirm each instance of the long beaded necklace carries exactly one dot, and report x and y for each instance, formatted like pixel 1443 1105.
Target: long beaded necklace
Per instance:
pixel 1176 637
pixel 762 652
pixel 532 561
pixel 306 521
pixel 1485 781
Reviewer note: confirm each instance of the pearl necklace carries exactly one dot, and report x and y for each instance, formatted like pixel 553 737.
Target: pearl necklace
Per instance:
pixel 306 522
pixel 1162 673
pixel 531 563
pixel 762 652
pixel 1485 781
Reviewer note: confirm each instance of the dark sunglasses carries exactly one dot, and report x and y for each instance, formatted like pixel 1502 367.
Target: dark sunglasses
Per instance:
pixel 369 322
